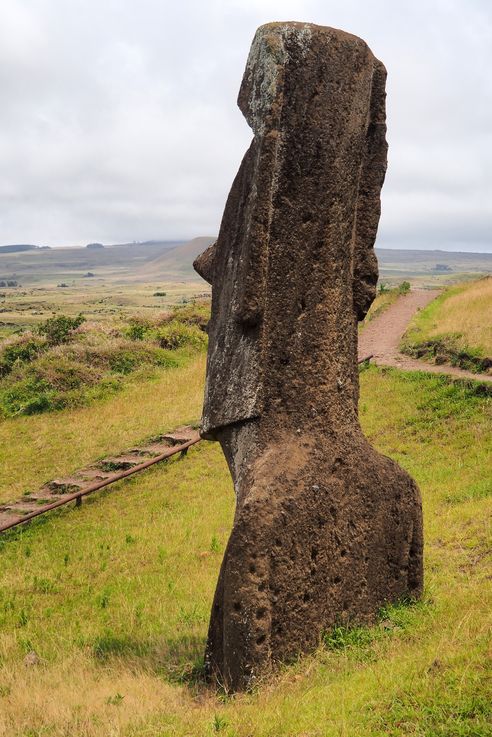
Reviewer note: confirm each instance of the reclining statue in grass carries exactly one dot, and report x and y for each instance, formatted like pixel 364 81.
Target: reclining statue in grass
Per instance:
pixel 326 529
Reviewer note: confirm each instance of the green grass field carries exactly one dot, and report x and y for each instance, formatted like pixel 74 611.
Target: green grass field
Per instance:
pixel 114 597
pixel 38 448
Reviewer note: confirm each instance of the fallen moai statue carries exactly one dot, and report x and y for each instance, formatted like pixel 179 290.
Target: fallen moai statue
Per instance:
pixel 326 529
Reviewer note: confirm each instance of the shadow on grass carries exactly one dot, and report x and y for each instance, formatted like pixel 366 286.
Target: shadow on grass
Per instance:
pixel 179 660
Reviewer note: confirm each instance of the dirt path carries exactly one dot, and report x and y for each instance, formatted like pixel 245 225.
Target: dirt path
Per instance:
pixel 381 337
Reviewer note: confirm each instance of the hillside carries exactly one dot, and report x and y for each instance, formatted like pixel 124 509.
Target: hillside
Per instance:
pixel 431 268
pixel 177 262
pixel 38 266
pixel 104 608
pixel 17 248
pixel 171 261
pixel 456 327
pixel 425 268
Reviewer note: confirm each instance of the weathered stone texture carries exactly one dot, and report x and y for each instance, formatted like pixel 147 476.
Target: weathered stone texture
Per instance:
pixel 326 529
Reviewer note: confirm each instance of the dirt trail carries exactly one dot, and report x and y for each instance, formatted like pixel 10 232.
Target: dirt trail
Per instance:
pixel 381 337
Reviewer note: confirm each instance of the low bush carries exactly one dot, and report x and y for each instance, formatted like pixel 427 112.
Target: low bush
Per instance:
pixel 61 373
pixel 25 348
pixel 59 329
pixel 27 396
pixel 137 329
pixel 176 334
pixel 193 313
pixel 125 359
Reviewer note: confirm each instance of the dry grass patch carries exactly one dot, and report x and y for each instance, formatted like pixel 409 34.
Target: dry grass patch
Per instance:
pixel 466 310
pixel 455 327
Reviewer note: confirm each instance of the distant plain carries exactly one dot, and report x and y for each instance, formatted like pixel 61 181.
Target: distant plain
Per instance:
pixel 146 277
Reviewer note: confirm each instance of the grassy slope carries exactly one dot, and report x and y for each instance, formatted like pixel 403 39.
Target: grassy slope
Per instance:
pixel 115 597
pixel 41 447
pixel 459 311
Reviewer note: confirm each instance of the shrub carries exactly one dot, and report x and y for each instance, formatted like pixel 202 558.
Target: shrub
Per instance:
pixel 123 362
pixel 56 369
pixel 404 287
pixel 62 373
pixel 177 334
pixel 59 329
pixel 18 352
pixel 137 329
pixel 193 313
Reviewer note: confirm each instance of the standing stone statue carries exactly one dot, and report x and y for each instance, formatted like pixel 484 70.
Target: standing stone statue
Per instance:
pixel 326 530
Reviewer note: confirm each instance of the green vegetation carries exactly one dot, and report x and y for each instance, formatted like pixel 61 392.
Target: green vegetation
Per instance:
pixel 455 328
pixel 60 329
pixel 104 608
pixel 404 287
pixel 67 361
pixel 114 597
pixel 39 448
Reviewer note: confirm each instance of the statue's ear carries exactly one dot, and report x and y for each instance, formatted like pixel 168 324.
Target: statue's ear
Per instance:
pixel 204 263
pixel 368 203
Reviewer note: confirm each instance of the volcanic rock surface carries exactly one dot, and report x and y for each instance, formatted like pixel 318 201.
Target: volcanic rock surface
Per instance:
pixel 326 529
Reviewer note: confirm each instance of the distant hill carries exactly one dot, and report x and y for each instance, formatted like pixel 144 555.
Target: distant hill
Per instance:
pixel 163 261
pixel 426 267
pixel 177 263
pixel 17 248
pixel 35 265
pixel 431 267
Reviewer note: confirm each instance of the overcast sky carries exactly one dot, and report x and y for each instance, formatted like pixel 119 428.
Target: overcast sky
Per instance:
pixel 119 120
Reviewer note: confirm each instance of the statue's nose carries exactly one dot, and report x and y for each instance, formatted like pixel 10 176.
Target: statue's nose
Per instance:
pixel 204 263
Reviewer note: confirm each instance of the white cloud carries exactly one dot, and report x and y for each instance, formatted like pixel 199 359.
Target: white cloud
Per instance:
pixel 119 118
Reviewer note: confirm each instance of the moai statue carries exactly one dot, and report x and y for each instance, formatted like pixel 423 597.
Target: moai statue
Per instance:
pixel 326 529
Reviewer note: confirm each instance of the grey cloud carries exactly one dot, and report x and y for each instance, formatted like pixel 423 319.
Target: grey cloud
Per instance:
pixel 119 119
